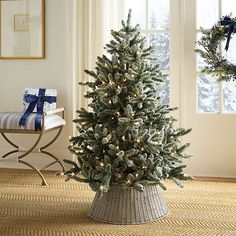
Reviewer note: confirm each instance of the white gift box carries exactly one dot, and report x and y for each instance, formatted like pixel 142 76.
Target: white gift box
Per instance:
pixel 47 106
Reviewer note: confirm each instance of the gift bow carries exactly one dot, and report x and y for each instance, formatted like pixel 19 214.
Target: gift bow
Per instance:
pixel 228 21
pixel 38 102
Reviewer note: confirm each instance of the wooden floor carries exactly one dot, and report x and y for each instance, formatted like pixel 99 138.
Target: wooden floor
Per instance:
pixel 201 208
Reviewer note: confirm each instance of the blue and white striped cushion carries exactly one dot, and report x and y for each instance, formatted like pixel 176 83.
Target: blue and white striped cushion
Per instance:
pixel 10 120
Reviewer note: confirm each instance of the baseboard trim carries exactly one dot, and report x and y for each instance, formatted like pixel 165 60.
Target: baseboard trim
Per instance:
pixel 215 179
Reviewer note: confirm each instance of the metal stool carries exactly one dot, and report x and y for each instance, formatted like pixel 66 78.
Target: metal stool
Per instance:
pixel 9 123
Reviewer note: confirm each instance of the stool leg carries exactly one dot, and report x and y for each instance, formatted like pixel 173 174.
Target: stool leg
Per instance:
pixel 30 150
pixel 33 147
pixel 27 152
pixel 11 143
pixel 55 158
pixel 50 154
pixel 9 153
pixel 44 183
pixel 53 140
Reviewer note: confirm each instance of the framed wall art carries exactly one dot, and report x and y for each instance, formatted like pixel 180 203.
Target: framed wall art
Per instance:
pixel 22 29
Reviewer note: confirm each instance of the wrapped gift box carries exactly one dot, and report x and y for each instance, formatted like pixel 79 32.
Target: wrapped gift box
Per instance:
pixel 47 106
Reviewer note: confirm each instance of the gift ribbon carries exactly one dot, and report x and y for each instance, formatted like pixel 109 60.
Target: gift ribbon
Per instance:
pixel 38 102
pixel 228 21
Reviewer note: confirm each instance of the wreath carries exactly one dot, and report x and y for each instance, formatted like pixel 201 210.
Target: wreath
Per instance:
pixel 209 50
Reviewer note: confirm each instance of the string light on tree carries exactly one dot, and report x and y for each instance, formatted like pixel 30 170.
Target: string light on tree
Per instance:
pixel 138 140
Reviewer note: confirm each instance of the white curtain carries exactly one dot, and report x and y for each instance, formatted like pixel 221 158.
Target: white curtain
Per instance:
pixel 93 21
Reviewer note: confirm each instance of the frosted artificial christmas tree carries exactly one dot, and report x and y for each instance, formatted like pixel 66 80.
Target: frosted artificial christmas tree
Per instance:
pixel 127 144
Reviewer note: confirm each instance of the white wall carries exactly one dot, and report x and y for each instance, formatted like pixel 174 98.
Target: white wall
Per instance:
pixel 53 72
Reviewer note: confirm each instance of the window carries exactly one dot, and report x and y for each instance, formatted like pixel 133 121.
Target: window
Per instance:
pixel 162 22
pixel 213 96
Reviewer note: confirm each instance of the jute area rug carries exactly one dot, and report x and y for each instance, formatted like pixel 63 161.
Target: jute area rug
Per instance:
pixel 26 208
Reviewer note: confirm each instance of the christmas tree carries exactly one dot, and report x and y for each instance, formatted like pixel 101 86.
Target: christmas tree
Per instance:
pixel 128 139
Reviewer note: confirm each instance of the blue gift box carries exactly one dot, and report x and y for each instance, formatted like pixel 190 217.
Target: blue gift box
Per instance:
pixel 38 101
pixel 33 91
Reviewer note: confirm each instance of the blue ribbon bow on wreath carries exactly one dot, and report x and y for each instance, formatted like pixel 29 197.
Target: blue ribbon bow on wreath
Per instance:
pixel 38 102
pixel 228 21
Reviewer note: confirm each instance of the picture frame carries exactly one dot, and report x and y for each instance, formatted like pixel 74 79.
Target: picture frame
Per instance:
pixel 22 29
